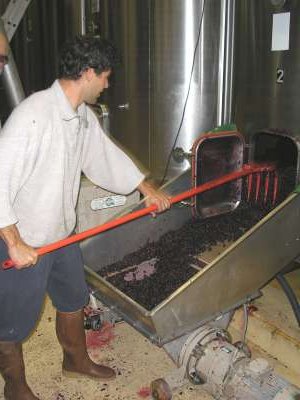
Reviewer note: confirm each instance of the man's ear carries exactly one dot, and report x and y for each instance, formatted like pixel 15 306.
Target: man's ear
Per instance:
pixel 88 74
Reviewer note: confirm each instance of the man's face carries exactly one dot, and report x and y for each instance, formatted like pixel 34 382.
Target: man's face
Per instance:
pixel 3 52
pixel 97 85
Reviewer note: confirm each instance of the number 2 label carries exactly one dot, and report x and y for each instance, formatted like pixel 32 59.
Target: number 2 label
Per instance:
pixel 280 75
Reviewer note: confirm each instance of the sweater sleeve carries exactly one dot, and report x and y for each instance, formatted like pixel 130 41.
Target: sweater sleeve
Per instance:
pixel 105 164
pixel 16 155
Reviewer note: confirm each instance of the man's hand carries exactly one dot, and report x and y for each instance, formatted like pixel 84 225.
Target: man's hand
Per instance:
pixel 23 255
pixel 20 253
pixel 154 196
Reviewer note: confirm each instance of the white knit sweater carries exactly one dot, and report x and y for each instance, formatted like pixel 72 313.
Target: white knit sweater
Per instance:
pixel 44 147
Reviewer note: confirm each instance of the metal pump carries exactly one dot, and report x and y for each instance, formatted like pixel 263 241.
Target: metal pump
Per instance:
pixel 209 360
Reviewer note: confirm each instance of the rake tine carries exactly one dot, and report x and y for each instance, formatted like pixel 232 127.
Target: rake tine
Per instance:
pixel 258 184
pixel 249 186
pixel 267 182
pixel 275 189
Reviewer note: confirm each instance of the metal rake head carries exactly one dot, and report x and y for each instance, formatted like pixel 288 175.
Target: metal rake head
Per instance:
pixel 262 182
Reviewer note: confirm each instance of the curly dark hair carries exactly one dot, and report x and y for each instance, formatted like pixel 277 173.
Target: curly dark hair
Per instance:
pixel 85 52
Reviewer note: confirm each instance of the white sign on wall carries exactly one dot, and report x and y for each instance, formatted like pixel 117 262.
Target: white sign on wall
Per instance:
pixel 281 31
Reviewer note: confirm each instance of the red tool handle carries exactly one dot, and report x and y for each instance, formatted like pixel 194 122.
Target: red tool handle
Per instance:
pixel 246 170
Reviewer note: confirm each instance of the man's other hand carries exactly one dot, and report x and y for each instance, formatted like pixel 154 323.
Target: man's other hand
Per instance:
pixel 154 196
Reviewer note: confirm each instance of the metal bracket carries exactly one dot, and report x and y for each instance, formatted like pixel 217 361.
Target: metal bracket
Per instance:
pixel 13 14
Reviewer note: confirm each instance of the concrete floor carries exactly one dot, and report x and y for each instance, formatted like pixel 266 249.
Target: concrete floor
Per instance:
pixel 272 327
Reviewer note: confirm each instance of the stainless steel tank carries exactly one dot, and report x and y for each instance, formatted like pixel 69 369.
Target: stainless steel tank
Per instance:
pixel 175 77
pixel 267 81
pixel 126 23
pixel 176 62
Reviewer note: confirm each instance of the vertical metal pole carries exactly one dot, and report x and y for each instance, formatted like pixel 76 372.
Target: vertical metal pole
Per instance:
pixel 10 78
pixel 228 82
pixel 221 62
pixel 224 111
pixel 83 17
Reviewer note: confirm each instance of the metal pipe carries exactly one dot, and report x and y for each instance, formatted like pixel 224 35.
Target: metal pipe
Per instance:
pixel 10 78
pixel 82 17
pixel 228 73
pixel 224 110
pixel 290 295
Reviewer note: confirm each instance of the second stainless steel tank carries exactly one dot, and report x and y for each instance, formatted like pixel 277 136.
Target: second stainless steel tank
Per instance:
pixel 267 77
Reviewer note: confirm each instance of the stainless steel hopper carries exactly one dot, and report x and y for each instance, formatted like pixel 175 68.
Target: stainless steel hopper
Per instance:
pixel 229 280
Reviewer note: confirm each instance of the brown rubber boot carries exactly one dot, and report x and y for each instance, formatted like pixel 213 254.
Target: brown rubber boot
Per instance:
pixel 13 371
pixel 76 361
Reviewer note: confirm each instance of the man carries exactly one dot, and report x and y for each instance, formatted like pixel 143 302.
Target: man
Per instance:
pixel 49 139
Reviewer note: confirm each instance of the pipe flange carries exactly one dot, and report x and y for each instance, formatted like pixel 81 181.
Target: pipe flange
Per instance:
pixel 198 340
